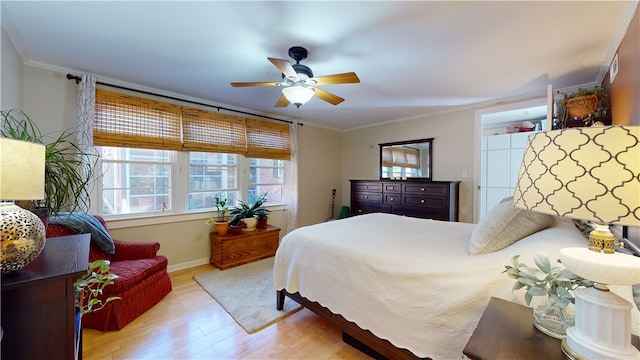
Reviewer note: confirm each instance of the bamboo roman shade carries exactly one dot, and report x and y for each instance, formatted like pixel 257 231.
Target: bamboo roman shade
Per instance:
pixel 268 140
pixel 401 156
pixel 130 121
pixel 213 132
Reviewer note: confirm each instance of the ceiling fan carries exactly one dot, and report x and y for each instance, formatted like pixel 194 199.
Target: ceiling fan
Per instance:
pixel 298 82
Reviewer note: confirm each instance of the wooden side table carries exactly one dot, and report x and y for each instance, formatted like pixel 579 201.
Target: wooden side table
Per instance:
pixel 506 331
pixel 38 309
pixel 233 250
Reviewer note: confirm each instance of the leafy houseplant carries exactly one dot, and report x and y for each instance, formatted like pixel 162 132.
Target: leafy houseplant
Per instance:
pixel 221 222
pixel 553 282
pixel 69 170
pixel 88 289
pixel 246 211
pixel 90 286
pixel 587 105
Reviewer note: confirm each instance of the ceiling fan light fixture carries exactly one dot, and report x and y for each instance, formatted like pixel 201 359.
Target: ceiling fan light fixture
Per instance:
pixel 298 95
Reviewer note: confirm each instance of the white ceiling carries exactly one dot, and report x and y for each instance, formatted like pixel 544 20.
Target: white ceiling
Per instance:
pixel 413 58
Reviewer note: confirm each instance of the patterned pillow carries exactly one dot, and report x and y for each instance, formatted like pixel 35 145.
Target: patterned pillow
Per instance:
pixel 504 225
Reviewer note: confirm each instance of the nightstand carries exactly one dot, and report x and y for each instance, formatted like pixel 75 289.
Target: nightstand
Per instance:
pixel 506 331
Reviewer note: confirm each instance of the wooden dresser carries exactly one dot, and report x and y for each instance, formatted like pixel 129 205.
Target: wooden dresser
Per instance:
pixel 436 200
pixel 38 309
pixel 233 250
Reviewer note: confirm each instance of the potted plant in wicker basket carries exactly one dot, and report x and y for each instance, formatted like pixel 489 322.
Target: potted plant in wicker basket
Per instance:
pixel 583 107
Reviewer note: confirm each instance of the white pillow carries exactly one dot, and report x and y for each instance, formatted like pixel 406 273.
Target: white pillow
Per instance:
pixel 504 225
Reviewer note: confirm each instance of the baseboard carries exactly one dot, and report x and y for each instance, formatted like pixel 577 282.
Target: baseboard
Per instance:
pixel 187 265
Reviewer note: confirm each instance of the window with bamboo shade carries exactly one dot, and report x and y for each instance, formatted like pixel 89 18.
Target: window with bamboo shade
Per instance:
pixel 123 120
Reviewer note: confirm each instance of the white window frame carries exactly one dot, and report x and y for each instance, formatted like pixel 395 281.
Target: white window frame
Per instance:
pixel 179 193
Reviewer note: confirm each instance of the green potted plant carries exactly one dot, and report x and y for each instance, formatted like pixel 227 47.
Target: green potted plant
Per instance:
pixel 585 105
pixel 69 170
pixel 246 214
pixel 221 222
pixel 88 289
pixel 544 280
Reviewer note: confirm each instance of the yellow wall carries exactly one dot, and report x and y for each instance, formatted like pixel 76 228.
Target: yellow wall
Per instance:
pixel 453 149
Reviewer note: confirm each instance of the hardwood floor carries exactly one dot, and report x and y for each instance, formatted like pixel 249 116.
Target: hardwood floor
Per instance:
pixel 189 324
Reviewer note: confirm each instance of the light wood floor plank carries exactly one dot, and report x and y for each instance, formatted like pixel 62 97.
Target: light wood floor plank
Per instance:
pixel 190 324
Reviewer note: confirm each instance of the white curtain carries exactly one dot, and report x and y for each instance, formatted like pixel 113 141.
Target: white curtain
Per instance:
pixel 292 181
pixel 86 103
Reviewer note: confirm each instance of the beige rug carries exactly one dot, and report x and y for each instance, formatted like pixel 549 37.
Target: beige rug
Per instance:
pixel 246 293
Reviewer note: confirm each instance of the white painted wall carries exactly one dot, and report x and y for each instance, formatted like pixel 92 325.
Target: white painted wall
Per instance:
pixel 12 85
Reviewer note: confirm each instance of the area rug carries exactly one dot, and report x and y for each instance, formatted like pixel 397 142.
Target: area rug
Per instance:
pixel 246 292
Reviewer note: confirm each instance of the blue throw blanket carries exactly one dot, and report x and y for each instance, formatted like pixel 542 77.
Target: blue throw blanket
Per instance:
pixel 83 223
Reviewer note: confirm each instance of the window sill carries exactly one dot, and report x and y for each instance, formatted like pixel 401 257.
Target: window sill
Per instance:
pixel 117 222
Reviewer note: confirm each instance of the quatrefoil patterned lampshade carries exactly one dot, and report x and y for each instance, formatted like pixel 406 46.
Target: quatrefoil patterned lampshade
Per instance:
pixel 590 173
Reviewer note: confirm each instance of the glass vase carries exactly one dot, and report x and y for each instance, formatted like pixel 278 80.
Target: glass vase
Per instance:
pixel 552 319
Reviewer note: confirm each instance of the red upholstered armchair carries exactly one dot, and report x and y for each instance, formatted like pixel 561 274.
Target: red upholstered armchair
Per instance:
pixel 142 278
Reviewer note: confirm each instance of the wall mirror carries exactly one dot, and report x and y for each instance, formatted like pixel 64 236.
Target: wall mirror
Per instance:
pixel 406 159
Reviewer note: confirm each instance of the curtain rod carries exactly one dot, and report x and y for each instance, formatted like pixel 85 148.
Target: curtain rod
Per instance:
pixel 78 79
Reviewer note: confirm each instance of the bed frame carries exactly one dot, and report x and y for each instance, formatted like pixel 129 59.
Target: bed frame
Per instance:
pixel 352 334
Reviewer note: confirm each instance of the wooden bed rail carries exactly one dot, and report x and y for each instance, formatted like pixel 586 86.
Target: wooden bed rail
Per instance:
pixel 352 334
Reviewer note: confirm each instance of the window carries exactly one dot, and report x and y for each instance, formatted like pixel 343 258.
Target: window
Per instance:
pixel 266 175
pixel 136 180
pixel 160 156
pixel 211 175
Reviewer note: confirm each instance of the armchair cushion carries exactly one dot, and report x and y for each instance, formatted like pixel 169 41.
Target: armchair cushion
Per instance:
pixel 132 272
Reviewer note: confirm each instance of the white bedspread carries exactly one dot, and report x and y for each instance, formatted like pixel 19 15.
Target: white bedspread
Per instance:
pixel 410 281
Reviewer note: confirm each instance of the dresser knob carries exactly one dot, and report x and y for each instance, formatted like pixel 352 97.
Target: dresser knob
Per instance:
pixel 359 210
pixel 391 199
pixel 366 197
pixel 421 189
pixel 422 201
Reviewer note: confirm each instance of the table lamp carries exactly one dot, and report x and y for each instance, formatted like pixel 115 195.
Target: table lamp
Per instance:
pixel 591 174
pixel 22 233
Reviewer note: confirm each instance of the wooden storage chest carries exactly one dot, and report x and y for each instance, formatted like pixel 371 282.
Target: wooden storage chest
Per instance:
pixel 233 250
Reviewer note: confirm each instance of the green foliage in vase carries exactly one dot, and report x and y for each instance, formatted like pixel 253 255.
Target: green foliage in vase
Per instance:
pixel 69 170
pixel 246 210
pixel 545 279
pixel 90 286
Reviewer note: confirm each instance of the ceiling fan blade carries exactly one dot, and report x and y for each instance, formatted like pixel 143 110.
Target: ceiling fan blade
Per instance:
pixel 242 84
pixel 282 102
pixel 327 96
pixel 284 67
pixel 344 78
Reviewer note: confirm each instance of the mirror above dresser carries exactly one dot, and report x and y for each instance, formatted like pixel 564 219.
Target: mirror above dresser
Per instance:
pixel 406 159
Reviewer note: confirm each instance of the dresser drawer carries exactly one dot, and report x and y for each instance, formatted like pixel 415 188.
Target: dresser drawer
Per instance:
pixel 395 188
pixel 366 197
pixel 392 199
pixel 363 208
pixel 431 202
pixel 366 186
pixel 431 189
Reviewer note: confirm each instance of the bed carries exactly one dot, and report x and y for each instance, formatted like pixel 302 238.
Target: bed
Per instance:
pixel 407 287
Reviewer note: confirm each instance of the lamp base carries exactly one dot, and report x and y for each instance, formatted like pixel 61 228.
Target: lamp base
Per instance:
pixel 22 237
pixel 603 326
